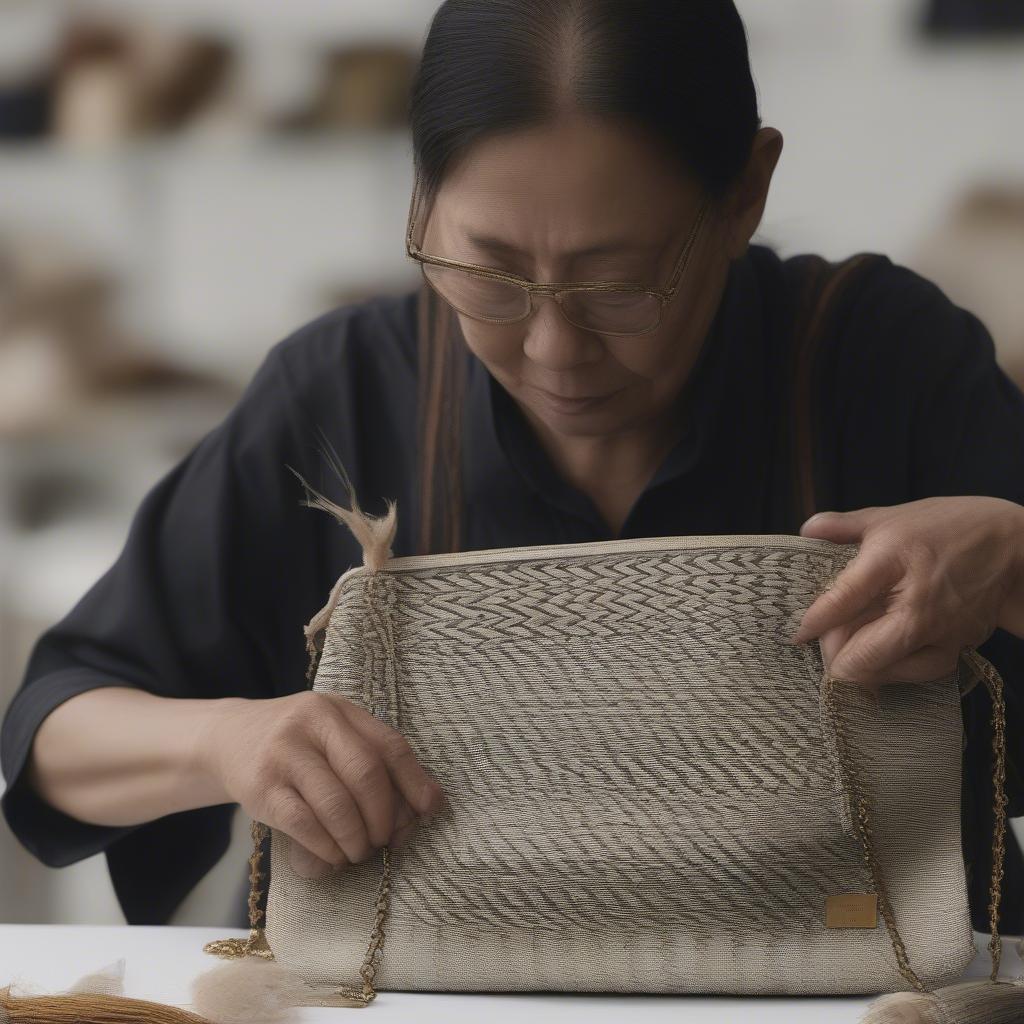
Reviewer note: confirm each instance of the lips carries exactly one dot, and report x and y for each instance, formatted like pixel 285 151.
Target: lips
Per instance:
pixel 570 398
pixel 571 401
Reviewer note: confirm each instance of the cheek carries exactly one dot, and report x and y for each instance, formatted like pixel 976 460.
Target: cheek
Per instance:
pixel 650 361
pixel 662 360
pixel 496 347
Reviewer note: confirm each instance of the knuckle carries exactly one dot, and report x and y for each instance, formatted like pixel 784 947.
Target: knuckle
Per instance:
pixel 367 774
pixel 337 806
pixel 305 708
pixel 292 815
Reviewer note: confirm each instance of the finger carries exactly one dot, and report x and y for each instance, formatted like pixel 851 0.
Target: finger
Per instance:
pixel 839 527
pixel 927 665
pixel 335 808
pixel 862 581
pixel 405 822
pixel 306 864
pixel 883 643
pixel 404 814
pixel 419 788
pixel 288 811
pixel 833 640
pixel 401 835
pixel 361 768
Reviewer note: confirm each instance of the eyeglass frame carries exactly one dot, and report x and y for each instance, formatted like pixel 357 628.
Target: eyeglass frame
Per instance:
pixel 556 289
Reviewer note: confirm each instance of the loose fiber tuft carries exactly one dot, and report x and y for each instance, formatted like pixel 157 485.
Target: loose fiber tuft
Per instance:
pixel 250 990
pixel 904 1008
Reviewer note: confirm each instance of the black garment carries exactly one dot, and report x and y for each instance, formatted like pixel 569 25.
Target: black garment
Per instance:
pixel 223 566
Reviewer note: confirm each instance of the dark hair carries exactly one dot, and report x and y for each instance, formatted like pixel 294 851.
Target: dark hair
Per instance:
pixel 678 68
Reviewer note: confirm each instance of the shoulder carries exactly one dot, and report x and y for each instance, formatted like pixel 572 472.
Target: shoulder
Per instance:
pixel 348 374
pixel 873 288
pixel 361 355
pixel 912 400
pixel 883 323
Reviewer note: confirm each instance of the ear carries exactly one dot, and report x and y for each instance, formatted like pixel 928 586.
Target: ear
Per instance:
pixel 750 193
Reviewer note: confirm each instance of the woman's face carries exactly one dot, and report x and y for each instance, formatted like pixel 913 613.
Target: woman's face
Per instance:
pixel 546 194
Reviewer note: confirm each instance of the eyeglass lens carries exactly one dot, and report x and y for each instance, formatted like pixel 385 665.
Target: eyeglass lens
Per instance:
pixel 483 298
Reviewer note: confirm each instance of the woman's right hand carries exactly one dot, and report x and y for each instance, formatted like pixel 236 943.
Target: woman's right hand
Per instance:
pixel 336 779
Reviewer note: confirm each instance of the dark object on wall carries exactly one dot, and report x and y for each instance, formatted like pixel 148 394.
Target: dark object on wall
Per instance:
pixel 954 18
pixel 25 109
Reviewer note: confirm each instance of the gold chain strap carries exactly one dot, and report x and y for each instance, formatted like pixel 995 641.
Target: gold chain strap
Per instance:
pixel 987 672
pixel 993 681
pixel 256 942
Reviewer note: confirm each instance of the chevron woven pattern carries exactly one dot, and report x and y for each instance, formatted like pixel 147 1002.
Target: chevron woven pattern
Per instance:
pixel 646 793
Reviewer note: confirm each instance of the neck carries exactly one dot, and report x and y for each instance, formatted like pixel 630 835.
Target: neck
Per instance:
pixel 614 470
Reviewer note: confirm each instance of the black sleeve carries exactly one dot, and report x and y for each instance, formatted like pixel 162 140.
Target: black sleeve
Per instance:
pixel 968 432
pixel 206 599
pixel 967 438
pixel 944 419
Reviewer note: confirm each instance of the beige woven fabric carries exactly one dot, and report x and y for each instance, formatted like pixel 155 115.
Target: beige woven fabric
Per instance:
pixel 644 783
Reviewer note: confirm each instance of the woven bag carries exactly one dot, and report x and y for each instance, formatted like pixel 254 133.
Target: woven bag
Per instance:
pixel 650 789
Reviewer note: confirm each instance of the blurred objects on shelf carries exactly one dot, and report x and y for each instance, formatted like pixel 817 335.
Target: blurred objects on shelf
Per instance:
pixel 362 87
pixel 92 78
pixel 60 347
pixel 118 80
pixel 950 19
pixel 977 257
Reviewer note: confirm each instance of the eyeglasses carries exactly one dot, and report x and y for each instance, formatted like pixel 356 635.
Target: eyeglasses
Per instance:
pixel 606 307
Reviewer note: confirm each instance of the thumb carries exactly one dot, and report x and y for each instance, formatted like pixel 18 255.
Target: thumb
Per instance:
pixel 839 527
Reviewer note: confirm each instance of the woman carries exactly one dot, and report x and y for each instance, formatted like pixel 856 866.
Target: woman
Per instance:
pixel 603 141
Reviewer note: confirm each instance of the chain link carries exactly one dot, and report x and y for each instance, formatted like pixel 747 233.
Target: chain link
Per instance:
pixel 256 942
pixel 993 681
pixel 988 673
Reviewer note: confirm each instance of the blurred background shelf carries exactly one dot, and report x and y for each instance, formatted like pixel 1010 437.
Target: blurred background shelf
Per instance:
pixel 223 250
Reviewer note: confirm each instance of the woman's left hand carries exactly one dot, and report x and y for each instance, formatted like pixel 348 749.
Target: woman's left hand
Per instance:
pixel 931 577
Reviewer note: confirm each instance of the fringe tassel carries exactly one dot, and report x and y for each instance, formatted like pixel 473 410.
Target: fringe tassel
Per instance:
pixel 96 998
pixel 89 1009
pixel 375 535
pixel 966 1002
pixel 252 990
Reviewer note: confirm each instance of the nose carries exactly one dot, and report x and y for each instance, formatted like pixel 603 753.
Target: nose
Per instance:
pixel 554 342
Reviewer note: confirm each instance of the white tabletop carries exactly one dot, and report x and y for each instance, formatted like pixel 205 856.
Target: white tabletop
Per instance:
pixel 161 962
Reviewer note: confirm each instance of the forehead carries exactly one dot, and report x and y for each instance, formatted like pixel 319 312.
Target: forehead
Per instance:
pixel 564 188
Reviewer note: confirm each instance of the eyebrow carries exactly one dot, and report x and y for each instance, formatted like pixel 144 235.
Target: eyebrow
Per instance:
pixel 500 247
